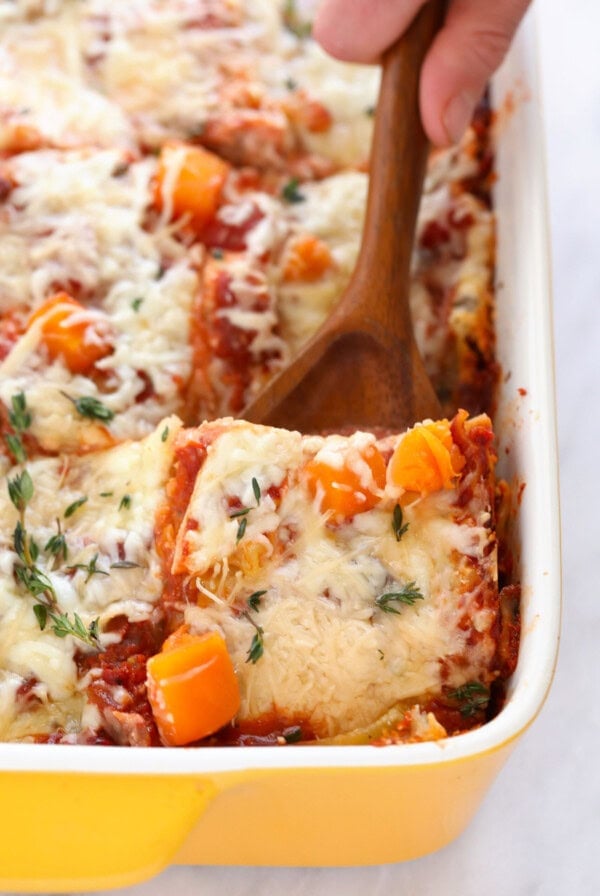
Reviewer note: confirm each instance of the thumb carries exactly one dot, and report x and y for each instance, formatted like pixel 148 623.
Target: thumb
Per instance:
pixel 465 53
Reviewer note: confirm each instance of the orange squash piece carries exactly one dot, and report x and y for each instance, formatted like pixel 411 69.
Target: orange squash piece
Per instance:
pixel 351 488
pixel 195 178
pixel 307 259
pixel 426 459
pixel 64 331
pixel 192 687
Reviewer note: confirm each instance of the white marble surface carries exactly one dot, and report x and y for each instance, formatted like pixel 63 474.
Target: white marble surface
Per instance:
pixel 538 831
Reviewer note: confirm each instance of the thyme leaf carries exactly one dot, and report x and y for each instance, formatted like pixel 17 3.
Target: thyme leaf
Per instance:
pixel 15 446
pixel 407 595
pixel 399 527
pixel 74 506
pixel 254 600
pixel 57 545
pixel 20 490
pixel 41 614
pixel 291 193
pixel 256 490
pixel 241 528
pixel 19 417
pixel 257 646
pixel 92 408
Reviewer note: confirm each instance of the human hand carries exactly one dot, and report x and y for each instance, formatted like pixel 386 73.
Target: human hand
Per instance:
pixel 466 51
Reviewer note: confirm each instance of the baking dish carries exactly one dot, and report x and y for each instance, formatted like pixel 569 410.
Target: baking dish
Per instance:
pixel 84 817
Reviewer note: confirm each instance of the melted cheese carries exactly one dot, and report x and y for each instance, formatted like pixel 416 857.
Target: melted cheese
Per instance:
pixel 104 527
pixel 330 653
pixel 79 217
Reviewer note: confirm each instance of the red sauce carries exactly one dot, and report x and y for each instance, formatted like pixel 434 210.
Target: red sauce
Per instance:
pixel 230 237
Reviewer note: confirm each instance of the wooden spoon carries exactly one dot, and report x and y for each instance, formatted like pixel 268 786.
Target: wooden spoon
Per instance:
pixel 362 369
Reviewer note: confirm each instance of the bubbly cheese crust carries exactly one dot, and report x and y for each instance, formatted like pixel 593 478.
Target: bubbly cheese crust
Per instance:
pixel 332 657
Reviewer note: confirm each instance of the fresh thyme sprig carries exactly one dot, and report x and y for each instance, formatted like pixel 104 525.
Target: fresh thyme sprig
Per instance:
pixel 242 513
pixel 62 626
pixel 34 580
pixel 407 595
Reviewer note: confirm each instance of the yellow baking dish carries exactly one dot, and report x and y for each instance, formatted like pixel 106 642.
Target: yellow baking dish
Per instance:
pixel 84 817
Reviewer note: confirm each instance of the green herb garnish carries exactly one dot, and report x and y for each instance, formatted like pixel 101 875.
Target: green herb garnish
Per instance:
pixel 137 303
pixel 57 545
pixel 34 580
pixel 125 502
pixel 407 595
pixel 16 448
pixel 241 528
pixel 256 490
pixel 74 506
pixel 472 696
pixel 164 434
pixel 254 600
pixel 62 626
pixel 399 527
pixel 20 490
pixel 257 646
pixel 291 193
pixel 20 419
pixel 92 408
pixel 90 568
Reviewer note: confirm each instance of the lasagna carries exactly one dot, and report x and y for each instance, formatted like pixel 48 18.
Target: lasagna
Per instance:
pixel 182 193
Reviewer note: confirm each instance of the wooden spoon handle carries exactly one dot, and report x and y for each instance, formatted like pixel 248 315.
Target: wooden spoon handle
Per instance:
pixel 397 168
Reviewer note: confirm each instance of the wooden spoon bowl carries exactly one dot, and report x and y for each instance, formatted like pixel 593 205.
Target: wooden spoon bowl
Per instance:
pixel 362 369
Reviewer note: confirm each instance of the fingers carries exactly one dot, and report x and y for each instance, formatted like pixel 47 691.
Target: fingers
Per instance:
pixel 466 52
pixel 464 55
pixel 360 30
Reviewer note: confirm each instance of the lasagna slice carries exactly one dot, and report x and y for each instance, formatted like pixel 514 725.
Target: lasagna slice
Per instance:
pixel 234 583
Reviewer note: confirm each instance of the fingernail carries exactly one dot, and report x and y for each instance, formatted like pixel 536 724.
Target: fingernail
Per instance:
pixel 457 116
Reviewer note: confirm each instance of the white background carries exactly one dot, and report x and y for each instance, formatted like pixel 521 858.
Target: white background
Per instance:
pixel 538 831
